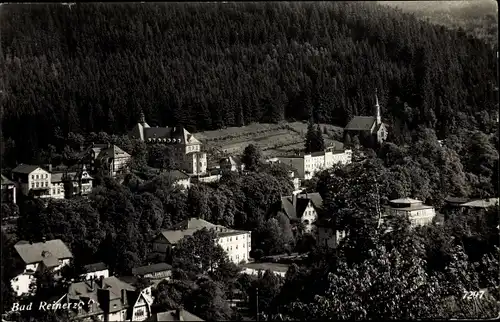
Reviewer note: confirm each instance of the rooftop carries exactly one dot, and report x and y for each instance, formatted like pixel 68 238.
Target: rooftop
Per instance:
pixel 95 267
pixel 25 168
pixel 154 268
pixel 173 315
pixel 360 123
pixel 5 180
pixel 406 201
pixel 38 252
pixel 274 267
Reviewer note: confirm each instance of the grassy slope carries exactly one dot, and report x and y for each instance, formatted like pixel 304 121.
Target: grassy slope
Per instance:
pixel 273 139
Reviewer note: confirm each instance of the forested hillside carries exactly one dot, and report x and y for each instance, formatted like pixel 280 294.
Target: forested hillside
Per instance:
pixel 93 67
pixel 478 17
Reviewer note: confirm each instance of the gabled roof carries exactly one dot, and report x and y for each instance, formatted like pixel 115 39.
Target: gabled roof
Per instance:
pixel 315 197
pixel 173 315
pixel 194 223
pixel 112 152
pixel 288 207
pixel 159 267
pixel 106 294
pixel 38 252
pixel 25 168
pixel 174 236
pixel 177 175
pixel 95 267
pixel 360 123
pixel 5 181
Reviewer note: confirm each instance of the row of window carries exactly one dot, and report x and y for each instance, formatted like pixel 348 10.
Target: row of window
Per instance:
pixel 41 176
pixel 236 247
pixel 39 184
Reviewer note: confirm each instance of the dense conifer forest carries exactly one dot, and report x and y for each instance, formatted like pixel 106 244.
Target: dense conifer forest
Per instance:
pixel 93 67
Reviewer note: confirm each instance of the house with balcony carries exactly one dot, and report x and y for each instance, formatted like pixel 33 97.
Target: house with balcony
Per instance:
pixel 49 255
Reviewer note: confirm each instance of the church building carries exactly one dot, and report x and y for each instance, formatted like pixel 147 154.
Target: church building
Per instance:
pixel 369 129
pixel 187 149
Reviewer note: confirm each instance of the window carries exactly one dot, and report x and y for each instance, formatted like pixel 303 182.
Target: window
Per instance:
pixel 32 185
pixel 46 184
pixel 236 246
pixel 37 184
pixel 243 245
pixel 17 287
pixel 32 176
pixel 139 313
pixel 58 190
pixel 37 176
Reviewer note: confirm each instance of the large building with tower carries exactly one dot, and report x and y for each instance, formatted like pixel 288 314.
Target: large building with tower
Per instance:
pixel 187 154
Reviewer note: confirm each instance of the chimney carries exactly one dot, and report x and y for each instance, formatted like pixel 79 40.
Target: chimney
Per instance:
pixel 31 242
pixel 43 239
pixel 101 281
pixel 294 199
pixel 124 297
pixel 178 315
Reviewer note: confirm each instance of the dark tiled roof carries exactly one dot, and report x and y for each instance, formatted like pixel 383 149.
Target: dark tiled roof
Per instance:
pixel 456 200
pixel 288 207
pixel 95 267
pixel 177 175
pixel 25 168
pixel 194 223
pixel 317 154
pixel 173 315
pixel 315 197
pixel 360 123
pixel 37 252
pixel 159 267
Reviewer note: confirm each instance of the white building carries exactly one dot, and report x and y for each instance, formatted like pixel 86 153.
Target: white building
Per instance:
pixel 303 208
pixel 231 163
pixel 236 243
pixel 260 268
pixel 32 180
pixel 187 149
pixel 309 164
pixel 48 255
pixel 418 213
pixel 326 233
pixel 95 271
pixel 41 183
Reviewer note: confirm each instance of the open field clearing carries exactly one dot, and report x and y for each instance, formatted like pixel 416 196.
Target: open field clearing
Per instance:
pixel 273 139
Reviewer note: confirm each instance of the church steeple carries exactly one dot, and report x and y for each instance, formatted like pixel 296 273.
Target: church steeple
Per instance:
pixel 377 109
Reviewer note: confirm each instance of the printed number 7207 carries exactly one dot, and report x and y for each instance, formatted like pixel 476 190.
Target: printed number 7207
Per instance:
pixel 469 295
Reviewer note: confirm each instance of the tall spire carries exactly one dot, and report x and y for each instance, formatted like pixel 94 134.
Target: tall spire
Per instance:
pixel 377 109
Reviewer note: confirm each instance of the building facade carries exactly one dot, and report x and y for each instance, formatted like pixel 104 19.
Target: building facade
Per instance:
pixel 187 153
pixel 302 208
pixel 327 234
pixel 236 243
pixel 418 213
pixel 32 180
pixel 8 190
pixel 47 255
pixel 108 157
pixel 307 165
